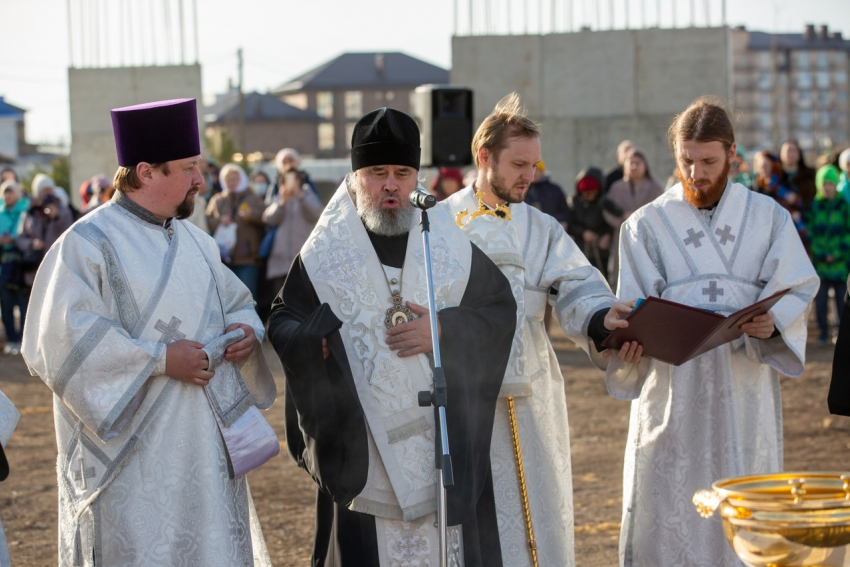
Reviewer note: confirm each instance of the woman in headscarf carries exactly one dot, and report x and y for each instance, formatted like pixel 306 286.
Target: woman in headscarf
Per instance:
pixel 237 205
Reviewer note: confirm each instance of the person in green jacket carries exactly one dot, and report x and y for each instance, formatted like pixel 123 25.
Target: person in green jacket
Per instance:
pixel 828 221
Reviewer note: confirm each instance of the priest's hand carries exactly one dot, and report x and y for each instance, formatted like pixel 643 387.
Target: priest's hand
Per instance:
pixel 240 350
pixel 616 316
pixel 616 319
pixel 184 360
pixel 760 327
pixel 629 352
pixel 413 337
pixel 326 352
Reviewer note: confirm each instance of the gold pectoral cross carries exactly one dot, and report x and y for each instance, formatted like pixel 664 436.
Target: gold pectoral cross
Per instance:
pixel 501 211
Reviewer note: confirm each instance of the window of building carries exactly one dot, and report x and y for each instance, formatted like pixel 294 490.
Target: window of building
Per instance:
pixel 782 59
pixel 325 104
pixel 743 81
pixel 824 118
pixel 804 80
pixel 764 101
pixel 841 96
pixel 349 133
pixel 840 77
pixel 804 119
pixel 804 99
pixel 353 104
pixel 782 80
pixel 823 99
pixel 766 140
pixel 841 137
pixel 783 122
pixel 298 100
pixel 823 59
pixel 840 57
pixel 781 99
pixel 823 79
pixel 801 59
pixel 764 120
pixel 326 137
pixel 764 60
pixel 764 80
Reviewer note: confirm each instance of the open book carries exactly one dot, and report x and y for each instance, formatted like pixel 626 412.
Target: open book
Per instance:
pixel 675 333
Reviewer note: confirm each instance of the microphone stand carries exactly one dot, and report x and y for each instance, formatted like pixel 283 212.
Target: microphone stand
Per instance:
pixel 437 398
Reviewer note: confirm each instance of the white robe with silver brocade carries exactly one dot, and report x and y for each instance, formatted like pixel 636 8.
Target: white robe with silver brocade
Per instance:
pixel 720 414
pixel 143 472
pixel 548 258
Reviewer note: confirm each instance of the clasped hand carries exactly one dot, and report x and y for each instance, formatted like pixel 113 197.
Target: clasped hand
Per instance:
pixel 761 327
pixel 616 319
pixel 185 360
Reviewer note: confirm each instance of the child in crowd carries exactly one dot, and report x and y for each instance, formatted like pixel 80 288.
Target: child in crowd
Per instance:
pixel 828 223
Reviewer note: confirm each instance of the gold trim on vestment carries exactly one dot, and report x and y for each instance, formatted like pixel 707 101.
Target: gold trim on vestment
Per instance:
pixel 523 491
pixel 501 211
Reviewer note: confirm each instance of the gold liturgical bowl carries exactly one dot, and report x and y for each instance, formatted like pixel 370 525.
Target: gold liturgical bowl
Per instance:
pixel 785 519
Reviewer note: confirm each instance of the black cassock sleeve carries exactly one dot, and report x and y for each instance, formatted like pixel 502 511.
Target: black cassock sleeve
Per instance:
pixel 325 424
pixel 839 388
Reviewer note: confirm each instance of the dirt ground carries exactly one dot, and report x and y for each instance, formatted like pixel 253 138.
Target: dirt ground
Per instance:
pixel 284 494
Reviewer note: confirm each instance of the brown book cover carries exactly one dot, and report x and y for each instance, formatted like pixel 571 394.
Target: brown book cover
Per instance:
pixel 675 333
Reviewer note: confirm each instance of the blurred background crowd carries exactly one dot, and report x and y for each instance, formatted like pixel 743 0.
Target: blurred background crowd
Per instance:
pixel 260 217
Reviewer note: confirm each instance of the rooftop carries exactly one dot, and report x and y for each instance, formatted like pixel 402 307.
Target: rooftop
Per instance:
pixel 819 38
pixel 10 110
pixel 258 106
pixel 365 70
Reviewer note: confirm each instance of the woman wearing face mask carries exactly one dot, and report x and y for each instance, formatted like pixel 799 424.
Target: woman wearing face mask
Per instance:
pixel 238 205
pixel 634 190
pixel 260 182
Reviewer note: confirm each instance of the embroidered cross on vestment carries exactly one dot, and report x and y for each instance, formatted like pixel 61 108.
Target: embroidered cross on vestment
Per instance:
pixel 84 473
pixel 712 291
pixel 725 234
pixel 694 237
pixel 169 331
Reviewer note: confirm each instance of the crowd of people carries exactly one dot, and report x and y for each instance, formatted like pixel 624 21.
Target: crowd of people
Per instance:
pixel 259 227
pixel 147 329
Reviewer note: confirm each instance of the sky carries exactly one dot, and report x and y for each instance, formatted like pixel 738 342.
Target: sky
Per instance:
pixel 282 39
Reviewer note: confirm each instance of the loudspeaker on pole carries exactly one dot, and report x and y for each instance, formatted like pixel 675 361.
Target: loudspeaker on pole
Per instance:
pixel 444 114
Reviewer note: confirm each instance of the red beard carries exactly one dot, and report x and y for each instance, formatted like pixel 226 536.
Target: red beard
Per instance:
pixel 708 197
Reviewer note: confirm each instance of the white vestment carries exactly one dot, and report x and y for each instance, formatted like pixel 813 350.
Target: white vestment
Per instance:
pixel 401 490
pixel 9 417
pixel 547 258
pixel 144 476
pixel 720 414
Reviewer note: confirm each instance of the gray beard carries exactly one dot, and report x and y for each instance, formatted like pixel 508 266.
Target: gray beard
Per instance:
pixel 383 222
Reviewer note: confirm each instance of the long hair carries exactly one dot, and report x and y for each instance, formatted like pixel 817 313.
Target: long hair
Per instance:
pixel 508 120
pixel 705 120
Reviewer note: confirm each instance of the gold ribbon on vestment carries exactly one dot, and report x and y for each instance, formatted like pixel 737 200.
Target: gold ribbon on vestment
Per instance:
pixel 523 491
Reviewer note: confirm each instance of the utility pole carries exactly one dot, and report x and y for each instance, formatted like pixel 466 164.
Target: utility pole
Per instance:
pixel 182 33
pixel 242 147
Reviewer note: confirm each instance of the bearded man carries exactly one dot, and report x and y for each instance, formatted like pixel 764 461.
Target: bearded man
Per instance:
pixel 354 341
pixel 151 348
pixel 714 245
pixel 534 499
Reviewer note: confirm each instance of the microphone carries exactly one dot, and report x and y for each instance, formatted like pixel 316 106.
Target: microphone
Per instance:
pixel 422 199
